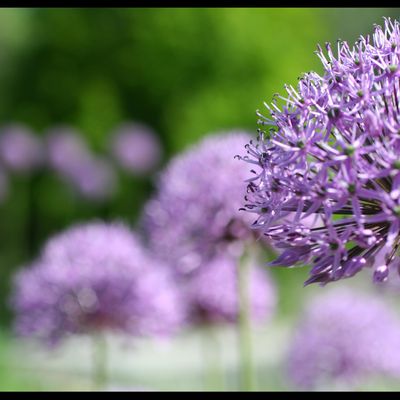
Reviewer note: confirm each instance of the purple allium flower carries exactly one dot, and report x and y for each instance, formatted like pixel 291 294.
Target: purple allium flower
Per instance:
pixel 66 149
pixel 92 277
pixel 194 223
pixel 333 151
pixel 196 209
pixel 95 179
pixel 91 177
pixel 212 291
pixel 344 337
pixel 20 149
pixel 136 148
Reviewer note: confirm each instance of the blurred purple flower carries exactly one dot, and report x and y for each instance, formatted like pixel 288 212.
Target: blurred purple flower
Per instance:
pixel 20 149
pixel 92 277
pixel 95 179
pixel 343 338
pixel 196 208
pixel 136 148
pixel 194 223
pixel 91 177
pixel 333 151
pixel 212 292
pixel 66 149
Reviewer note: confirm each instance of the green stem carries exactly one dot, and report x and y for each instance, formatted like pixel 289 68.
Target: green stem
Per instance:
pixel 99 361
pixel 247 376
pixel 214 378
pixel 31 228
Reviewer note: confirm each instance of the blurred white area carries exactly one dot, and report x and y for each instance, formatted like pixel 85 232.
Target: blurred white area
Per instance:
pixel 174 364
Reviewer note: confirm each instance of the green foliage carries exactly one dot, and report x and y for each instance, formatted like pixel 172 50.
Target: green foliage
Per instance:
pixel 184 71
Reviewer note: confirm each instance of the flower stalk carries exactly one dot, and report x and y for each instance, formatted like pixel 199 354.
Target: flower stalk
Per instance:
pixel 247 373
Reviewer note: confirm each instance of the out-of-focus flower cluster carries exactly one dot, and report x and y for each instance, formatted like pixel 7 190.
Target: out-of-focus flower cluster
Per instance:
pixel 92 176
pixel 134 147
pixel 20 149
pixel 20 152
pixel 212 292
pixel 195 224
pixel 333 152
pixel 196 207
pixel 93 277
pixel 343 338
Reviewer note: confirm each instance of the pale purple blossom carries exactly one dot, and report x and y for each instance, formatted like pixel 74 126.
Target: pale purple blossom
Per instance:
pixel 332 150
pixel 20 149
pixel 137 148
pixel 196 208
pixel 95 179
pixel 194 223
pixel 92 177
pixel 66 149
pixel 342 339
pixel 96 276
pixel 212 291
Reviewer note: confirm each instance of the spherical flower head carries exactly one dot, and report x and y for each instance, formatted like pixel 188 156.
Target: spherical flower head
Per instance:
pixel 95 179
pixel 65 149
pixel 212 292
pixel 91 177
pixel 20 149
pixel 136 148
pixel 196 208
pixel 342 338
pixel 92 277
pixel 333 151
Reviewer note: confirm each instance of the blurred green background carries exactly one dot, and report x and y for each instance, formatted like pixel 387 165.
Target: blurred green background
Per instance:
pixel 184 72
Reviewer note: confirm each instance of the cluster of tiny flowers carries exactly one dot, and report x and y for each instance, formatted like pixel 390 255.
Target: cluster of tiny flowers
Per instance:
pixel 92 177
pixel 212 292
pixel 93 277
pixel 136 148
pixel 20 149
pixel 196 208
pixel 332 152
pixel 194 223
pixel 343 339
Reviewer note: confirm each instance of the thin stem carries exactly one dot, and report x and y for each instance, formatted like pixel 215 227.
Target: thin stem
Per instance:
pixel 247 376
pixel 100 359
pixel 31 182
pixel 214 378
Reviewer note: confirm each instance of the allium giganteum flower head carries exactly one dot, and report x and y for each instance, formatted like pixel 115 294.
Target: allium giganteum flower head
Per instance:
pixel 20 149
pixel 96 276
pixel 194 223
pixel 91 176
pixel 333 152
pixel 196 208
pixel 136 148
pixel 212 292
pixel 343 338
